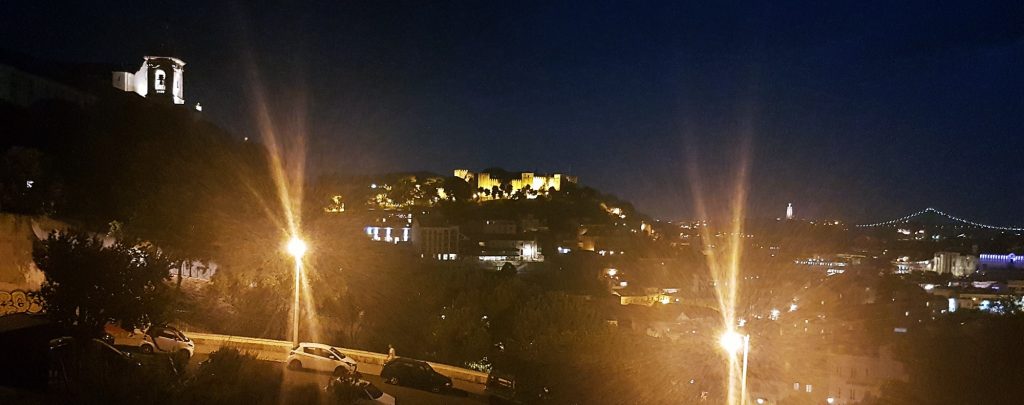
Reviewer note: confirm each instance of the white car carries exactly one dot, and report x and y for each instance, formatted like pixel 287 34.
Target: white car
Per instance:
pixel 159 339
pixel 320 357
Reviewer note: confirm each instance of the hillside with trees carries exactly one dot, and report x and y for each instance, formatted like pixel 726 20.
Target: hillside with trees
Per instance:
pixel 149 175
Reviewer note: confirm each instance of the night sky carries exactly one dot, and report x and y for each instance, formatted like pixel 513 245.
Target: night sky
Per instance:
pixel 859 110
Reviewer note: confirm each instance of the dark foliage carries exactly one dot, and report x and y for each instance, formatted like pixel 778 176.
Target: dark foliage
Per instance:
pixel 232 377
pixel 967 358
pixel 89 285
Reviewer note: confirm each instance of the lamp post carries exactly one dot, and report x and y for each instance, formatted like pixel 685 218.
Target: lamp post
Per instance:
pixel 297 248
pixel 733 342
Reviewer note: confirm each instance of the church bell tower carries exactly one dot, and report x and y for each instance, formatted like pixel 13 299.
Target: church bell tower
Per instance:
pixel 161 78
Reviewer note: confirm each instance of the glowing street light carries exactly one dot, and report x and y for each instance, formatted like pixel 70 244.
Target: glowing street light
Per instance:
pixel 733 342
pixel 297 248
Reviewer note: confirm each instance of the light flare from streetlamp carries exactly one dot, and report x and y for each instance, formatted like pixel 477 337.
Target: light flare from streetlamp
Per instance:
pixel 723 259
pixel 731 341
pixel 297 247
pixel 285 140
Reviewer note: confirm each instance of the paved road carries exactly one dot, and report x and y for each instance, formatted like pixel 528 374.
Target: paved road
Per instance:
pixel 465 393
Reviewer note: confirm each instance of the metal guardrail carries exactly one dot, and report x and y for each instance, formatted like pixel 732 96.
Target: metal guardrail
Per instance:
pixel 277 350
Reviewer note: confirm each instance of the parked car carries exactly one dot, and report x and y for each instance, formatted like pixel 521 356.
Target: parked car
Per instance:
pixel 346 390
pixel 103 363
pixel 108 353
pixel 320 357
pixel 155 339
pixel 107 338
pixel 503 388
pixel 414 373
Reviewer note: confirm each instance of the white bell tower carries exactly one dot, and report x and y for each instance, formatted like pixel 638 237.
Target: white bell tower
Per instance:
pixel 160 78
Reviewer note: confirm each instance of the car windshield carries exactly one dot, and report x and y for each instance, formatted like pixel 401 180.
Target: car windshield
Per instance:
pixel 111 349
pixel 337 353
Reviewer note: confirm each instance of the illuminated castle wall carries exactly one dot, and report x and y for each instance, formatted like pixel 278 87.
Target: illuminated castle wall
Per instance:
pixel 540 184
pixel 954 263
pixel 160 78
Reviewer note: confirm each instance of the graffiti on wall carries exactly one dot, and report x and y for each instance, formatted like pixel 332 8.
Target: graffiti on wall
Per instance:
pixel 18 301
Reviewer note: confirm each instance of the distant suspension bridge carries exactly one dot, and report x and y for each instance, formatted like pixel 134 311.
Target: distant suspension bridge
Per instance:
pixel 948 216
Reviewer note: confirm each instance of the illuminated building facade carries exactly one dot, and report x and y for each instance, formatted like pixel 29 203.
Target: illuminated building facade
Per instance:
pixel 436 242
pixel 954 263
pixel 494 242
pixel 645 296
pixel 160 78
pixel 832 377
pixel 515 182
pixel 509 250
pixel 994 261
pixel 903 265
pixel 389 226
pixel 832 264
pixel 856 377
pixel 388 234
pixel 965 265
pixel 789 211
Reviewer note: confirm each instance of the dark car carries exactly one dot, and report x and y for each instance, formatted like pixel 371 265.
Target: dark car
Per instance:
pixel 103 363
pixel 107 354
pixel 108 339
pixel 415 373
pixel 346 389
pixel 503 388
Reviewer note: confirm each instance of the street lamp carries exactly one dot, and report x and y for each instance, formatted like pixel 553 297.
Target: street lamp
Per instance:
pixel 297 248
pixel 733 342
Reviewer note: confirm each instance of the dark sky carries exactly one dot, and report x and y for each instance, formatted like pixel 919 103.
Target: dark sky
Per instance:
pixel 858 110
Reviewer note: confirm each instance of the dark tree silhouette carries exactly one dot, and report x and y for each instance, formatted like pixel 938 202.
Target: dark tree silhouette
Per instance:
pixel 457 189
pixel 88 285
pixel 508 269
pixel 964 358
